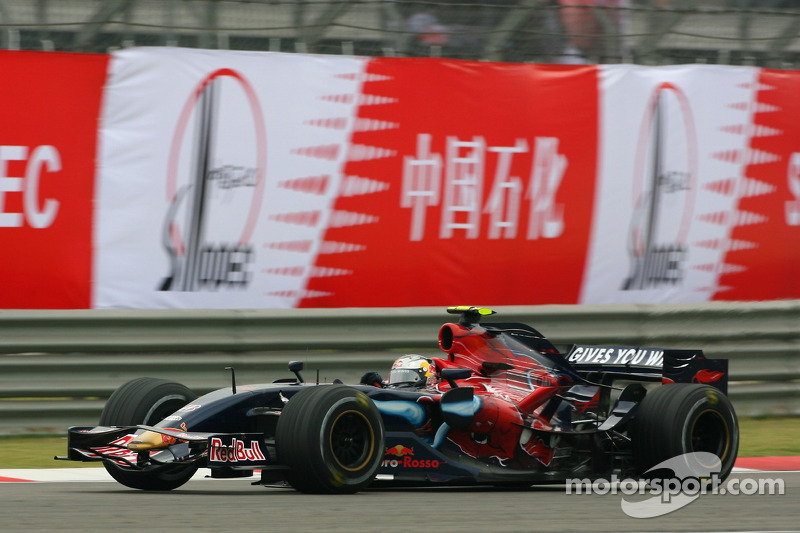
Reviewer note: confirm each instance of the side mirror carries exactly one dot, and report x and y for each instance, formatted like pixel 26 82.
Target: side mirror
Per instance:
pixel 296 367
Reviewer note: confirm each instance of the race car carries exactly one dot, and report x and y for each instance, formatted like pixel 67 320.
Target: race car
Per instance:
pixel 503 407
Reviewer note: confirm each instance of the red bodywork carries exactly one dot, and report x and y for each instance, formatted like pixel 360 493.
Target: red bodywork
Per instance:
pixel 513 384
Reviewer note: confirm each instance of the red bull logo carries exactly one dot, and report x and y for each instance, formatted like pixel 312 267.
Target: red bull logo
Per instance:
pixel 234 452
pixel 399 451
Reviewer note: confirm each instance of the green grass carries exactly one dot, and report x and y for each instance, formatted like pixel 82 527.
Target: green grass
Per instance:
pixel 759 437
pixel 763 437
pixel 36 452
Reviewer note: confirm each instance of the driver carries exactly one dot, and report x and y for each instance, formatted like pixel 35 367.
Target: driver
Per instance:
pixel 412 371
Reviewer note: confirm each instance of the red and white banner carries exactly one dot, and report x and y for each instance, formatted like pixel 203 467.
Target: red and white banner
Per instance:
pixel 49 108
pixel 272 180
pixel 221 179
pixel 268 180
pixel 698 187
pixel 218 173
pixel 762 255
pixel 662 219
pixel 486 193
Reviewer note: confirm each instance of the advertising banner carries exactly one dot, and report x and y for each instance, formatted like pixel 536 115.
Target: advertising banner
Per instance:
pixel 178 178
pixel 662 217
pixel 487 191
pixel 697 187
pixel 217 174
pixel 241 180
pixel 762 253
pixel 49 109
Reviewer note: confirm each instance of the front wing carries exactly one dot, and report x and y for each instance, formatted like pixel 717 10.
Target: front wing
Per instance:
pixel 212 450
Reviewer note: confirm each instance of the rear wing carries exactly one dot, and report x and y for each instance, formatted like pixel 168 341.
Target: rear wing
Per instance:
pixel 671 365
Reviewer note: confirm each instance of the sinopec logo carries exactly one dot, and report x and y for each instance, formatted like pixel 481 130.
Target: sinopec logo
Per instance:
pixel 215 186
pixel 665 177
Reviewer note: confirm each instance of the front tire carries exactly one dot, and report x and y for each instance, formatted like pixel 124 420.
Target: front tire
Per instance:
pixel 147 401
pixel 678 419
pixel 331 437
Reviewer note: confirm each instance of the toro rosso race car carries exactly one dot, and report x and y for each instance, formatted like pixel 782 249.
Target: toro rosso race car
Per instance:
pixel 502 407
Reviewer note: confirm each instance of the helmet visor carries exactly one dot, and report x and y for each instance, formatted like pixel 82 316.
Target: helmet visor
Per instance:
pixel 404 375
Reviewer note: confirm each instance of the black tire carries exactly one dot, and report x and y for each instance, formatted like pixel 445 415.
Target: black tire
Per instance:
pixel 677 419
pixel 147 401
pixel 331 437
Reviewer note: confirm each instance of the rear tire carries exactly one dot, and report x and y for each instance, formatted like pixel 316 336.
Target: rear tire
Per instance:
pixel 677 419
pixel 331 437
pixel 147 401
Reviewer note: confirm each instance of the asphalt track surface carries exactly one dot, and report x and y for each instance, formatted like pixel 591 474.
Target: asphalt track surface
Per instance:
pixel 237 505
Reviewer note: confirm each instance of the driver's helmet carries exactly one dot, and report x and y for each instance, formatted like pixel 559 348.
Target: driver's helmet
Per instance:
pixel 412 371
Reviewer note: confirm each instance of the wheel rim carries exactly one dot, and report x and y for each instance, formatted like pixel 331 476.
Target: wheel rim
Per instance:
pixel 710 433
pixel 352 440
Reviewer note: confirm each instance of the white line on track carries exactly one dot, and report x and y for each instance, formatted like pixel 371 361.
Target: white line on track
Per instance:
pixel 69 475
pixel 77 475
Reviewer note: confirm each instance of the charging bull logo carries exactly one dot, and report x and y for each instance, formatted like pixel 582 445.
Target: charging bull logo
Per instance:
pixel 664 191
pixel 495 430
pixel 399 451
pixel 215 185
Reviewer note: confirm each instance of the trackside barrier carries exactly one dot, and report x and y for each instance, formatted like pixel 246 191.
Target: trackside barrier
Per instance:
pixel 58 367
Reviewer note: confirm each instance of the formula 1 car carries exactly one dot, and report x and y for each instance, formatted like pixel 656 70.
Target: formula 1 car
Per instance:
pixel 504 407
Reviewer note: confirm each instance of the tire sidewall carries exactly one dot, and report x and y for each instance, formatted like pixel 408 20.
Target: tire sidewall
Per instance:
pixel 144 401
pixel 667 421
pixel 358 405
pixel 147 401
pixel 710 403
pixel 303 439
